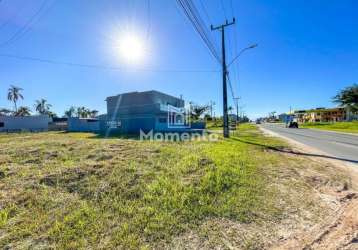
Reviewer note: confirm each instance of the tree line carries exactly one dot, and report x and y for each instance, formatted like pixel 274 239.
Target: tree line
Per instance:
pixel 41 107
pixel 348 97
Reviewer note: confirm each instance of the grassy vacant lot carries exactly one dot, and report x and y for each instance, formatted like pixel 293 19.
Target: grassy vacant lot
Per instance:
pixel 74 190
pixel 349 127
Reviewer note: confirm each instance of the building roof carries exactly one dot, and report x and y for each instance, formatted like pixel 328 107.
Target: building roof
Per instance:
pixel 149 92
pixel 324 110
pixel 319 110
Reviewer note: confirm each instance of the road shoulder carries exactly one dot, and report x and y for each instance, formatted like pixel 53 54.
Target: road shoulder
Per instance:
pixel 340 226
pixel 301 147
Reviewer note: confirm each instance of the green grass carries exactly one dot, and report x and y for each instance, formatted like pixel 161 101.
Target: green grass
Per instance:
pixel 218 125
pixel 349 127
pixel 214 125
pixel 75 191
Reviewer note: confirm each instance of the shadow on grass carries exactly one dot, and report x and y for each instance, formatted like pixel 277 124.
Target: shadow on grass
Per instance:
pixel 288 151
pixel 115 136
pixel 105 136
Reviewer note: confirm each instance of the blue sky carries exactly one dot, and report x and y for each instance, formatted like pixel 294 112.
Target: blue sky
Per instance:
pixel 307 51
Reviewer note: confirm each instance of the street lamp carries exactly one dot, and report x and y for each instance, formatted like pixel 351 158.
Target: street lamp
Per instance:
pixel 242 51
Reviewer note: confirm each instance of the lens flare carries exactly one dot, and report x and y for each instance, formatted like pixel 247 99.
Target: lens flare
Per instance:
pixel 131 48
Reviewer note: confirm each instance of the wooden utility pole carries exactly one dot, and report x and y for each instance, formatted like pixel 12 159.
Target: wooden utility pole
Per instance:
pixel 225 115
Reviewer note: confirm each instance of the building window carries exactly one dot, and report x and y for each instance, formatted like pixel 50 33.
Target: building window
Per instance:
pixel 2 124
pixel 163 120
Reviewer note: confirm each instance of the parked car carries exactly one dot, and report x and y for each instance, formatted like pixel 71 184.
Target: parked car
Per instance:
pixel 293 124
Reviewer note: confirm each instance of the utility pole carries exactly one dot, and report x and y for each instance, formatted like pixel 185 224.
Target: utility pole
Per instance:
pixel 237 109
pixel 211 104
pixel 225 115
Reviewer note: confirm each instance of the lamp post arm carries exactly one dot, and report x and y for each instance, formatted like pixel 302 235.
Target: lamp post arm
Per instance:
pixel 242 51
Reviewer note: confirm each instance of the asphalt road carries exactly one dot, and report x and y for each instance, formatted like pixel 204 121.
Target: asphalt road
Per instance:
pixel 335 145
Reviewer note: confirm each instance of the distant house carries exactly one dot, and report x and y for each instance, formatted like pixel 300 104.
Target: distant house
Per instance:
pixel 327 115
pixel 299 115
pixel 149 110
pixel 24 123
pixel 322 115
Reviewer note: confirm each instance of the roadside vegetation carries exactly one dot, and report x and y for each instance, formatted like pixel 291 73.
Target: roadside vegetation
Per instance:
pixel 348 127
pixel 216 124
pixel 75 191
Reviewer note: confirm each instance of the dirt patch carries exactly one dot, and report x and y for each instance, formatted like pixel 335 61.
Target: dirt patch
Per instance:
pixel 205 161
pixel 73 180
pixel 339 231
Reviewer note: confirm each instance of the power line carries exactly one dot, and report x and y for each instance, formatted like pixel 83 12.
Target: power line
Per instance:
pixel 236 68
pixel 149 24
pixel 230 51
pixel 230 87
pixel 20 32
pixel 199 21
pixel 192 14
pixel 208 19
pixel 102 67
pixel 223 8
pixel 205 11
pixel 7 21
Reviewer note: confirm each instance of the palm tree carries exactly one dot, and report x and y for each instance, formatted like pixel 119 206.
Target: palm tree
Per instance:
pixel 197 110
pixel 82 112
pixel 93 113
pixel 51 114
pixel 86 113
pixel 42 107
pixel 23 111
pixel 14 95
pixel 4 112
pixel 70 112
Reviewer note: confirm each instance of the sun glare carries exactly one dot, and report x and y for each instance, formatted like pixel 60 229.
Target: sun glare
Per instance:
pixel 131 49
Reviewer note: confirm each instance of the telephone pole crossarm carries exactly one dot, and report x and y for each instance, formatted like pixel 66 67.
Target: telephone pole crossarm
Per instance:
pixel 223 25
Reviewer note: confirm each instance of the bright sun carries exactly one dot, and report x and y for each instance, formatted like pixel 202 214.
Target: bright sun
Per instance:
pixel 131 49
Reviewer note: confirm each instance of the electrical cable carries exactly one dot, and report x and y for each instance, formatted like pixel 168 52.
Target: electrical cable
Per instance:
pixel 103 67
pixel 20 32
pixel 192 14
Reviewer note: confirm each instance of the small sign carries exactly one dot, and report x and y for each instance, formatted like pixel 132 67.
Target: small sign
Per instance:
pixel 114 124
